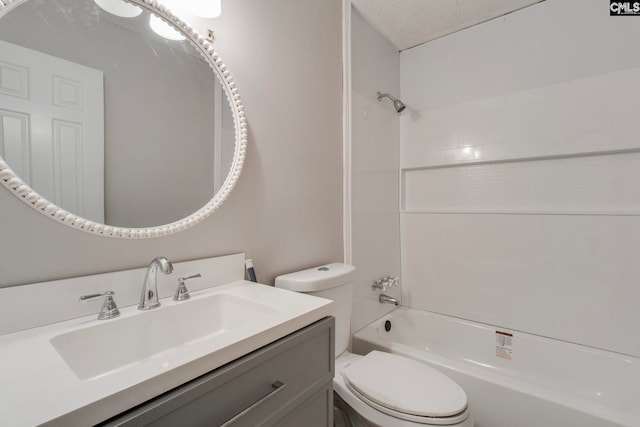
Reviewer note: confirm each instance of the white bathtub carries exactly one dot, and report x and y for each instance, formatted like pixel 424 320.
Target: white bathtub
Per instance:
pixel 545 383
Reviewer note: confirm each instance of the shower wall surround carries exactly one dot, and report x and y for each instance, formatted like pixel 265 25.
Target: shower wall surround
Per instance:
pixel 375 157
pixel 520 166
pixel 286 210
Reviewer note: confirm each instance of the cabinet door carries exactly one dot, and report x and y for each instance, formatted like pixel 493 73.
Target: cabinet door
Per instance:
pixel 257 390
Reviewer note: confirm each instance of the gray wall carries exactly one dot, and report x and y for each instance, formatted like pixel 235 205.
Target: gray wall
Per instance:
pixel 286 211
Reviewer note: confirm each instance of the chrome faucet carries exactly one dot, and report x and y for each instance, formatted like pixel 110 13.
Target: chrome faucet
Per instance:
pixel 386 299
pixel 149 297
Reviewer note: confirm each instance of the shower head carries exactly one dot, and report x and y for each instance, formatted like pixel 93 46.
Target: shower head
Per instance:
pixel 397 104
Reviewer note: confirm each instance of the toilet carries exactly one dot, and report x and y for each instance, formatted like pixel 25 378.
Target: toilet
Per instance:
pixel 379 389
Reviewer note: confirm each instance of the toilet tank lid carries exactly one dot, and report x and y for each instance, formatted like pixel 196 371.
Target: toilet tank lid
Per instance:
pixel 317 278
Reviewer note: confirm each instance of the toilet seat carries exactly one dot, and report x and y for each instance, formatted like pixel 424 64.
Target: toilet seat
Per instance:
pixel 404 389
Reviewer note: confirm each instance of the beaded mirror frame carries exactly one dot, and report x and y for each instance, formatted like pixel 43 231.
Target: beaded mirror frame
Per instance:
pixel 10 180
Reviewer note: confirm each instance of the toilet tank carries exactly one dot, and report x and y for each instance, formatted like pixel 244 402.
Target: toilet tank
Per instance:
pixel 331 281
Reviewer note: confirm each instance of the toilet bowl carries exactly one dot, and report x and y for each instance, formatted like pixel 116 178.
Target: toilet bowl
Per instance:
pixel 378 389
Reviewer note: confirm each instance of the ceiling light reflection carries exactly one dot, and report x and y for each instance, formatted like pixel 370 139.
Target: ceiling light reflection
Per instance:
pixel 163 29
pixel 119 8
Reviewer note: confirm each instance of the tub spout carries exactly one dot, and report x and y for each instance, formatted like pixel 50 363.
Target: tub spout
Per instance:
pixel 386 299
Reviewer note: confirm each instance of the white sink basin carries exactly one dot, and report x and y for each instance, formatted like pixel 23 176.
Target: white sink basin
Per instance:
pixel 113 344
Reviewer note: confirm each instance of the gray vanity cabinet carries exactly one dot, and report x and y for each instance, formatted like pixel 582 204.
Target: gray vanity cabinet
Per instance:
pixel 286 383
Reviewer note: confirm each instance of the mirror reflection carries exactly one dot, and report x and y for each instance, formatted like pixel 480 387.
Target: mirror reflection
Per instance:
pixel 107 119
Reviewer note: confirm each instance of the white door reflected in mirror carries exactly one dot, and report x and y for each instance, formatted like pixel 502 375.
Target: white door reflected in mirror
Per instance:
pixel 52 131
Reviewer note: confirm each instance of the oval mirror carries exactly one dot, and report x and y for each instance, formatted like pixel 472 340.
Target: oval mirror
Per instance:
pixel 108 126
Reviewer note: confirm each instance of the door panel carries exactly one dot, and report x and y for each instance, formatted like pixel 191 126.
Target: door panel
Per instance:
pixel 60 152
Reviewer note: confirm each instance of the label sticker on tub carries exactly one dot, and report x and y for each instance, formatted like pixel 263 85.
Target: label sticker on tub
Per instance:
pixel 504 344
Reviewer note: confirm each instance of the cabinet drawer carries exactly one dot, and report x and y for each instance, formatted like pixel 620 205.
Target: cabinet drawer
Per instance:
pixel 315 412
pixel 257 389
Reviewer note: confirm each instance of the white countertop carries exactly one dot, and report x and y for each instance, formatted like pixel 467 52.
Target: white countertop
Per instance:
pixel 38 387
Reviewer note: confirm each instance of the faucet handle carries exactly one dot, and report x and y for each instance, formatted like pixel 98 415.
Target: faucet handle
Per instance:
pixel 182 293
pixel 109 309
pixel 379 284
pixel 385 283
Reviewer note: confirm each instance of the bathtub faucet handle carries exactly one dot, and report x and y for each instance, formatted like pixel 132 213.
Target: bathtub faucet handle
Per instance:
pixel 385 283
pixel 379 285
pixel 394 281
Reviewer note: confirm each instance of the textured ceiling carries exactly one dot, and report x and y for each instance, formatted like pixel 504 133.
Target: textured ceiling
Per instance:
pixel 408 23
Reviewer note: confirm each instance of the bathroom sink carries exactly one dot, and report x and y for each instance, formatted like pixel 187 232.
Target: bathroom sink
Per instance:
pixel 138 336
pixel 82 370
